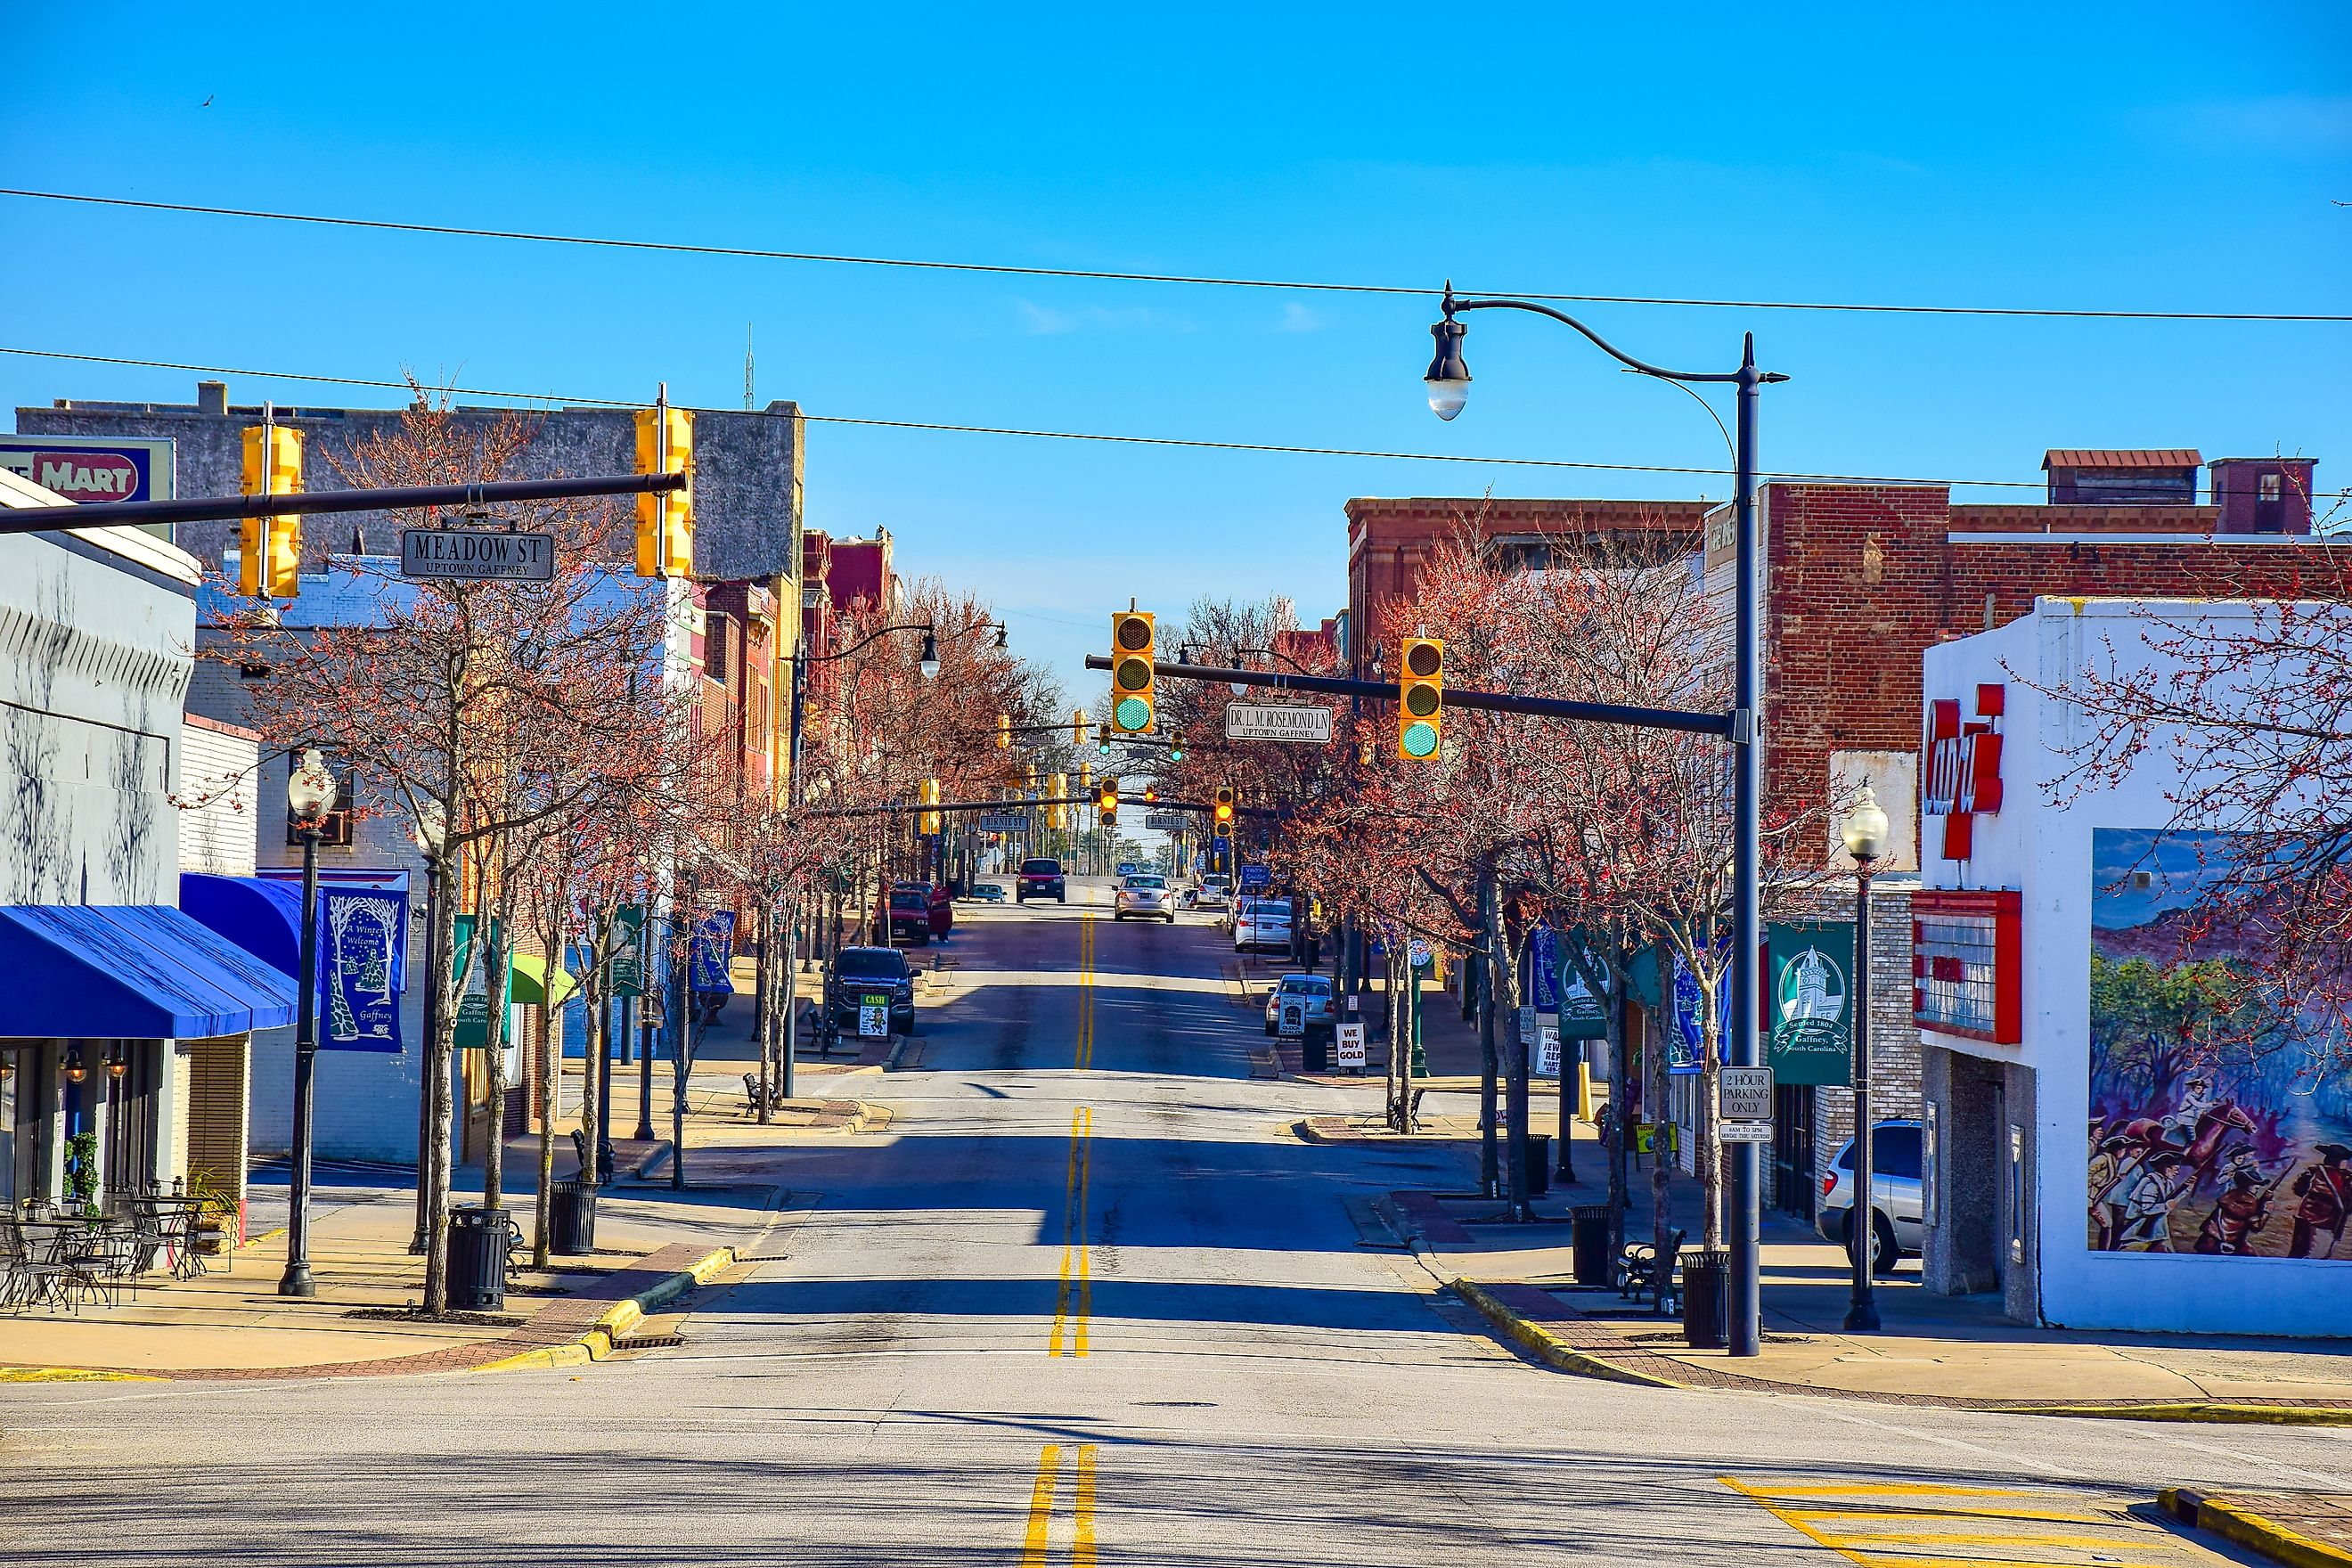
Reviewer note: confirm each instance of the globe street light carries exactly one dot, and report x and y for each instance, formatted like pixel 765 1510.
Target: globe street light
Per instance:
pixel 1865 839
pixel 930 660
pixel 309 796
pixel 430 833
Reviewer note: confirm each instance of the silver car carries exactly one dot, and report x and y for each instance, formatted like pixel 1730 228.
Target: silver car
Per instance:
pixel 1311 994
pixel 1896 1227
pixel 1262 924
pixel 1145 895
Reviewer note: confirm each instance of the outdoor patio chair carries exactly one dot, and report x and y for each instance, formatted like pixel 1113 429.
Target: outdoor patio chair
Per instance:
pixel 27 1279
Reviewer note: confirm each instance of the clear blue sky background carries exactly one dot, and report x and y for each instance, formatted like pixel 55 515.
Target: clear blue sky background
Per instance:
pixel 2154 155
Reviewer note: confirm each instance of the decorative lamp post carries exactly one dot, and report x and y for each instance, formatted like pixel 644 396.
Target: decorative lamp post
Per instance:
pixel 1447 381
pixel 430 833
pixel 1866 840
pixel 311 794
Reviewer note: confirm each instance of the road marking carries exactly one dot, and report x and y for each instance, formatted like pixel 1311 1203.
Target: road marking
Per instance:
pixel 1086 1057
pixel 1074 1308
pixel 1897 1525
pixel 1036 1541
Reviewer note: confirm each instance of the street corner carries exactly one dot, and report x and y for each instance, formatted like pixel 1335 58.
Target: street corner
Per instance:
pixel 2299 1529
pixel 1536 1321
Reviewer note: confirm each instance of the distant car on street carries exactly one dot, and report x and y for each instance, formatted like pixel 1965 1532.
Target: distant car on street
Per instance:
pixel 1896 1209
pixel 859 972
pixel 1129 867
pixel 910 915
pixel 988 892
pixel 1145 894
pixel 942 904
pixel 1263 923
pixel 1313 991
pixel 1216 892
pixel 1039 879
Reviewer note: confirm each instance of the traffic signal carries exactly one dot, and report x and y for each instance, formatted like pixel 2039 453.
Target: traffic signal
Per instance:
pixel 1176 747
pixel 1420 694
pixel 1106 801
pixel 269 549
pixel 1079 727
pixel 666 521
pixel 1058 815
pixel 1130 672
pixel 1102 739
pixel 1004 731
pixel 1221 814
pixel 1151 796
pixel 929 794
pixel 1032 778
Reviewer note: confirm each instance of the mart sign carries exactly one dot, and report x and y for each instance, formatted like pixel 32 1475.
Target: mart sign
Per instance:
pixel 85 469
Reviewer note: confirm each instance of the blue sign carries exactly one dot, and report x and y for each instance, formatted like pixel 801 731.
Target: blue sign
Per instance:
pixel 1255 877
pixel 1543 959
pixel 362 956
pixel 1685 1041
pixel 714 951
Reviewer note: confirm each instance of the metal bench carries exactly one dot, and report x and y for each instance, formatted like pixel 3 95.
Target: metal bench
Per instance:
pixel 1643 1267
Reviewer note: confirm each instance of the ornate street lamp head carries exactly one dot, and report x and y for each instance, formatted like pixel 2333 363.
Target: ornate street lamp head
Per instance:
pixel 1865 828
pixel 310 788
pixel 930 663
pixel 430 831
pixel 1448 379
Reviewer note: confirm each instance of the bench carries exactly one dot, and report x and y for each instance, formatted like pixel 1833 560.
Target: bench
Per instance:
pixel 1643 1267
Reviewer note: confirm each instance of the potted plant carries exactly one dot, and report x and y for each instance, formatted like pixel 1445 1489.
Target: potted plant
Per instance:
pixel 82 1173
pixel 209 1227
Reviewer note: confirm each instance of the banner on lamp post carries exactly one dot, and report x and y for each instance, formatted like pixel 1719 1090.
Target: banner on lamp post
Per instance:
pixel 1808 1003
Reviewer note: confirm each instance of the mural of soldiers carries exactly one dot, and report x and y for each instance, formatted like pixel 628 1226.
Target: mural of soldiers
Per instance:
pixel 2109 1166
pixel 2147 1201
pixel 2244 1209
pixel 2196 1100
pixel 2325 1190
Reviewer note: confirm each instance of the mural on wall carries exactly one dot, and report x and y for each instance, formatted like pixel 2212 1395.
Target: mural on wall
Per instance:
pixel 2221 1114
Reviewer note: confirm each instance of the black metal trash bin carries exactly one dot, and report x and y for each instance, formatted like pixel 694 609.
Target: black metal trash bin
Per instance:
pixel 1706 1298
pixel 1538 1163
pixel 1588 1245
pixel 1314 1050
pixel 571 1218
pixel 478 1259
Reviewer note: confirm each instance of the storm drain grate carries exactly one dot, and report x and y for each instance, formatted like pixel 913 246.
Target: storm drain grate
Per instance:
pixel 649 1342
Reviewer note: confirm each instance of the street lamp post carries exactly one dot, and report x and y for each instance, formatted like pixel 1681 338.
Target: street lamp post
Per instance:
pixel 430 833
pixel 311 793
pixel 1448 384
pixel 1866 840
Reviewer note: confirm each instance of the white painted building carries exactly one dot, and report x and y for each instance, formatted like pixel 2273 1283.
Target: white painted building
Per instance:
pixel 2099 1171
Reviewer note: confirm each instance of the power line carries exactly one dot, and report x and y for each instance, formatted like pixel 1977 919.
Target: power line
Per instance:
pixel 1205 280
pixel 1190 443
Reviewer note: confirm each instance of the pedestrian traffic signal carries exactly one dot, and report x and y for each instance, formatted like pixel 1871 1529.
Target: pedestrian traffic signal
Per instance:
pixel 1420 695
pixel 665 520
pixel 1004 731
pixel 930 821
pixel 269 549
pixel 1130 672
pixel 1221 814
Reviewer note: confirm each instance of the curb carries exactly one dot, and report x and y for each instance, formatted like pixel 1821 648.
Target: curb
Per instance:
pixel 2198 1411
pixel 73 1374
pixel 598 1342
pixel 2246 1527
pixel 1544 1345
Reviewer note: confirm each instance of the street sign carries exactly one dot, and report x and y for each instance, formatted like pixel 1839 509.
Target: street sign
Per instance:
pixel 1255 722
pixel 476 555
pixel 1004 822
pixel 1527 1026
pixel 1255 877
pixel 1164 821
pixel 1548 1051
pixel 1294 1016
pixel 1745 1094
pixel 1349 1043
pixel 1744 1132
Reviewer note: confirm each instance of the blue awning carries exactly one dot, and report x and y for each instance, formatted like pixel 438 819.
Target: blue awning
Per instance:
pixel 135 972
pixel 261 915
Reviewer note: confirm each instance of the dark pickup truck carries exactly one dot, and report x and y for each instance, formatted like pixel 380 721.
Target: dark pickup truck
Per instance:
pixel 1040 879
pixel 862 971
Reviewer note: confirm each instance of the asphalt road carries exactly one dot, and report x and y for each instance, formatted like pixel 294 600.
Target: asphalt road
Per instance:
pixel 1086 1302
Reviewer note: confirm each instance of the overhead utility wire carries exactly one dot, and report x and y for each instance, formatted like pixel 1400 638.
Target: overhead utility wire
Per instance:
pixel 1004 269
pixel 1187 442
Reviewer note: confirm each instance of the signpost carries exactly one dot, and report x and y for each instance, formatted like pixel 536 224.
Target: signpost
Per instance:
pixel 1745 1094
pixel 1744 1132
pixel 476 555
pixel 1256 721
pixel 1254 878
pixel 1350 1039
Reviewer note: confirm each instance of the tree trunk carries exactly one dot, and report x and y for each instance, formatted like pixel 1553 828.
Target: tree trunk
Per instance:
pixel 761 980
pixel 551 1063
pixel 498 988
pixel 440 1053
pixel 594 1050
pixel 1706 1154
pixel 1400 1070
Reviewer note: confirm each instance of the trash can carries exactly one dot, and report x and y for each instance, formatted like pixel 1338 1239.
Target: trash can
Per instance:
pixel 1588 1245
pixel 1314 1050
pixel 478 1259
pixel 1538 1163
pixel 1706 1298
pixel 571 1218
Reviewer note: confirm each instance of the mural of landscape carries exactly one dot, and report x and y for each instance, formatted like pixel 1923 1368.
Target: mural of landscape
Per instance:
pixel 2221 1112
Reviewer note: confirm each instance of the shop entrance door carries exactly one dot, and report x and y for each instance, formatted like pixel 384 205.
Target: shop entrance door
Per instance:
pixel 1792 1149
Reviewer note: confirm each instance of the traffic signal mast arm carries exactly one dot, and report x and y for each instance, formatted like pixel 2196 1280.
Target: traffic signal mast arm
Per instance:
pixel 1454 696
pixel 214 508
pixel 904 809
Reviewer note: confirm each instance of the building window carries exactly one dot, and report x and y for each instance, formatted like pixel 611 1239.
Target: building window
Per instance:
pixel 2270 488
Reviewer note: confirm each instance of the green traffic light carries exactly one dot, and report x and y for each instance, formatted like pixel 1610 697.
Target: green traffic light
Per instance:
pixel 1133 714
pixel 1420 740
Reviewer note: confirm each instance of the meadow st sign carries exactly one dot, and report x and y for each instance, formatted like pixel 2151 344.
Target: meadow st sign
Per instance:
pixel 476 555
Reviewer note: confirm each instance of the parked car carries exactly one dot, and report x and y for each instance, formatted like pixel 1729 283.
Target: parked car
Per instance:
pixel 1146 895
pixel 1896 1199
pixel 910 915
pixel 988 892
pixel 1039 879
pixel 1216 892
pixel 1264 923
pixel 1313 990
pixel 942 904
pixel 859 973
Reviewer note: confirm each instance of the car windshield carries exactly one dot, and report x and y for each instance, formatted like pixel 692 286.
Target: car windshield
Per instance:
pixel 908 900
pixel 1151 884
pixel 1313 985
pixel 869 964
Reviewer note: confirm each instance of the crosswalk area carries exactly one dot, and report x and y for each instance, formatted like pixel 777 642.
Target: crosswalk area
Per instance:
pixel 1912 1524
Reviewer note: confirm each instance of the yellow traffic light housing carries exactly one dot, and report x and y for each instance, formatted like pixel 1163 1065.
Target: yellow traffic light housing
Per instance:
pixel 1420 698
pixel 665 520
pixel 269 549
pixel 929 794
pixel 1057 815
pixel 1221 813
pixel 1131 703
pixel 1106 801
pixel 1077 727
pixel 1004 731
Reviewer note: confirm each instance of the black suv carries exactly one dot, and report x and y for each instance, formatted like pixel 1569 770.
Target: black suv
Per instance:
pixel 1040 879
pixel 862 971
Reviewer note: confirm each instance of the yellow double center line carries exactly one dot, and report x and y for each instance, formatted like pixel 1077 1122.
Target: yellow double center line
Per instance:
pixel 1034 1543
pixel 1086 1055
pixel 1073 1307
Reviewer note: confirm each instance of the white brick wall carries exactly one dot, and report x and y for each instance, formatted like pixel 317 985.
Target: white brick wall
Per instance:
pixel 216 793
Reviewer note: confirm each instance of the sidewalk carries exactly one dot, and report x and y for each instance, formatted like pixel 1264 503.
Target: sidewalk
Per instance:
pixel 1955 1351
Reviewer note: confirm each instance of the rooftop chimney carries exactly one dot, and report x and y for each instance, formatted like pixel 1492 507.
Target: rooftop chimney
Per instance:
pixel 2264 495
pixel 212 397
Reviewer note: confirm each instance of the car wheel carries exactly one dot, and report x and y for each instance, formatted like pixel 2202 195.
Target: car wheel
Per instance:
pixel 1890 1255
pixel 1061 898
pixel 1171 918
pixel 1269 1028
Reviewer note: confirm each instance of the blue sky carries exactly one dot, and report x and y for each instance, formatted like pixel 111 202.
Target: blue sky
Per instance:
pixel 2149 156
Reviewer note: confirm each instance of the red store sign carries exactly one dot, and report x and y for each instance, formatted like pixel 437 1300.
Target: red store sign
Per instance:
pixel 1963 766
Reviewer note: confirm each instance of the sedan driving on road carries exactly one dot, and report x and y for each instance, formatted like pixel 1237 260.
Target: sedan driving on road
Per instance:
pixel 1039 879
pixel 1264 923
pixel 1145 895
